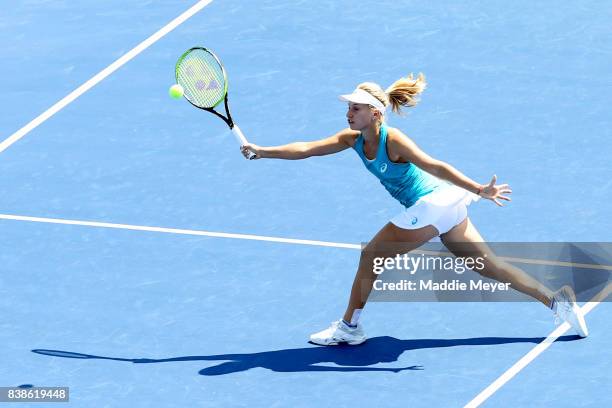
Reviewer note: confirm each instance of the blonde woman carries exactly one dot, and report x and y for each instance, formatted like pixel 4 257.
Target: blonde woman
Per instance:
pixel 435 196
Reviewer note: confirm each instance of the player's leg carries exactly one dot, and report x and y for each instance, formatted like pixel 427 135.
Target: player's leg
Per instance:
pixel 390 241
pixel 464 240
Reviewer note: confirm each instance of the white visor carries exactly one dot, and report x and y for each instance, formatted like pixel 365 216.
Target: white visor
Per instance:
pixel 361 96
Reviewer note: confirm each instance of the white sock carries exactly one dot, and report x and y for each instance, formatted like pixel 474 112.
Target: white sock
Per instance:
pixel 355 317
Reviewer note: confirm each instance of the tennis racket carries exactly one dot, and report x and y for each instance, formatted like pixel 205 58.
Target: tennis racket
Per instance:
pixel 202 76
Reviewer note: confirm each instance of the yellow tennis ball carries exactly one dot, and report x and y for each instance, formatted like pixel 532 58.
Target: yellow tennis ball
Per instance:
pixel 176 91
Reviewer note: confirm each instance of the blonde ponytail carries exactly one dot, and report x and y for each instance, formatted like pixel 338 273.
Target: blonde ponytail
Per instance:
pixel 405 92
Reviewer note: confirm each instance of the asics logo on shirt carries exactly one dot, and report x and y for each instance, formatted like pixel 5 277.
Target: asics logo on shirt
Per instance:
pixel 383 167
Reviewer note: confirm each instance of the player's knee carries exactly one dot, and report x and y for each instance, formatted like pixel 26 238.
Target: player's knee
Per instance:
pixel 372 258
pixel 369 251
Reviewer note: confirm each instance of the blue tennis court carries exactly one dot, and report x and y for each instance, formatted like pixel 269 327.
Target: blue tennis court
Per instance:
pixel 145 263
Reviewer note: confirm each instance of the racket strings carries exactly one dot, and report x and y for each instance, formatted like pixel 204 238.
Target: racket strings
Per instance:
pixel 202 78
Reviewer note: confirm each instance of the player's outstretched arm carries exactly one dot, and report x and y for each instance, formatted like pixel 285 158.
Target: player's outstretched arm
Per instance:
pixel 302 150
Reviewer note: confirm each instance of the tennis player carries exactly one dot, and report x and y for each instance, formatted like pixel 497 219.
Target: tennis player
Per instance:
pixel 435 196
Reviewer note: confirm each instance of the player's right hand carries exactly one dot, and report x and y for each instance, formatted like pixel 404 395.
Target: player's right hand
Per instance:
pixel 249 149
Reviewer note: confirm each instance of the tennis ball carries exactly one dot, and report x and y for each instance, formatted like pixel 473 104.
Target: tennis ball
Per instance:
pixel 176 91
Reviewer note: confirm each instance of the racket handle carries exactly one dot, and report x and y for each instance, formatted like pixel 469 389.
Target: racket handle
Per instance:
pixel 241 139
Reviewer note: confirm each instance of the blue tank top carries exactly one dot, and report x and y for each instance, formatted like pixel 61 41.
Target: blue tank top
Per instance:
pixel 404 181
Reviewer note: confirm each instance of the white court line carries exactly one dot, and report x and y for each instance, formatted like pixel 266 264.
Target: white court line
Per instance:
pixel 102 74
pixel 213 234
pixel 178 231
pixel 532 354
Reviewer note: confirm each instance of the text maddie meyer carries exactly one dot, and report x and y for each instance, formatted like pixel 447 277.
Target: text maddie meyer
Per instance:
pixel 445 285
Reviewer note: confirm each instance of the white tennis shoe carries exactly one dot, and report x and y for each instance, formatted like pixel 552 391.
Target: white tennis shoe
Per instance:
pixel 565 308
pixel 338 333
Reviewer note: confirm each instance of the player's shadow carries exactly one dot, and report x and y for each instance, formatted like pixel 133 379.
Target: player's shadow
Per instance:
pixel 376 350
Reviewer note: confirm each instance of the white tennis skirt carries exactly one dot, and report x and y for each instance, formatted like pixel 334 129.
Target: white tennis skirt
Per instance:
pixel 443 208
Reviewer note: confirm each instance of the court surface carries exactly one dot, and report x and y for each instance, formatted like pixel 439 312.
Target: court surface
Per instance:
pixel 179 316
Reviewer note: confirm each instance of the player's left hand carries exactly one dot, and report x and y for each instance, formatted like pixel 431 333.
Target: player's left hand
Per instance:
pixel 495 192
